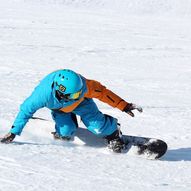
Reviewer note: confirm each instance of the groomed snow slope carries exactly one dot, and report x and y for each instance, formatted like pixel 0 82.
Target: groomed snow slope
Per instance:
pixel 140 49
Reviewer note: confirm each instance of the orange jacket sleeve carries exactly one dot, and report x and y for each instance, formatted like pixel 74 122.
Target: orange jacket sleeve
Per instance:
pixel 97 90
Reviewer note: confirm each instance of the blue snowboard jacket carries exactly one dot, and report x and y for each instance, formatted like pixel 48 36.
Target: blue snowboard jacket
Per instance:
pixel 44 96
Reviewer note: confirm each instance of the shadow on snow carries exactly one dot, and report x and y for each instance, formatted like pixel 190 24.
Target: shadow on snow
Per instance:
pixel 82 137
pixel 181 154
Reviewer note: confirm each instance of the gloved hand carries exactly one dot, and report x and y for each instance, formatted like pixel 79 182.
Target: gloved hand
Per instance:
pixel 128 109
pixel 8 138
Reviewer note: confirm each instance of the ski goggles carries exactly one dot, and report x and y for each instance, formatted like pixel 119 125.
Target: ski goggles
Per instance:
pixel 71 96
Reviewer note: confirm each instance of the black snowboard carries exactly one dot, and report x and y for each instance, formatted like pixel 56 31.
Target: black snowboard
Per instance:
pixel 150 148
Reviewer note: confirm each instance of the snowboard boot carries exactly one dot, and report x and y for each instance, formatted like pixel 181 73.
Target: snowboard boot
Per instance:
pixel 115 141
pixel 56 136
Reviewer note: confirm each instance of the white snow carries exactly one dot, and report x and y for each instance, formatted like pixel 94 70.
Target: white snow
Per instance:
pixel 140 49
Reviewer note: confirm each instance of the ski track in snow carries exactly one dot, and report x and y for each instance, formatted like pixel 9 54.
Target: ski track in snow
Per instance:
pixel 139 49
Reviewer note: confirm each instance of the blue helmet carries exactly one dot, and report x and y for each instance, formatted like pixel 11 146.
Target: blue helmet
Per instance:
pixel 68 84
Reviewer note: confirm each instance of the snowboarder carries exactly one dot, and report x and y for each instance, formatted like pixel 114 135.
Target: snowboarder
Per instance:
pixel 68 94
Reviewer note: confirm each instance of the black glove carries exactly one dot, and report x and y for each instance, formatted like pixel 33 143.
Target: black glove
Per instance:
pixel 8 138
pixel 128 109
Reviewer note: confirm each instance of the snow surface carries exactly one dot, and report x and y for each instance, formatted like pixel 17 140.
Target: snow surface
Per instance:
pixel 140 49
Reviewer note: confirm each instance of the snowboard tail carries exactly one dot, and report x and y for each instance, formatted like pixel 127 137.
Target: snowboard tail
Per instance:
pixel 150 148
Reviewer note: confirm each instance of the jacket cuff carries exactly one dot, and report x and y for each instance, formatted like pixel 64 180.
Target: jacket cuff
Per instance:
pixel 122 105
pixel 14 131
